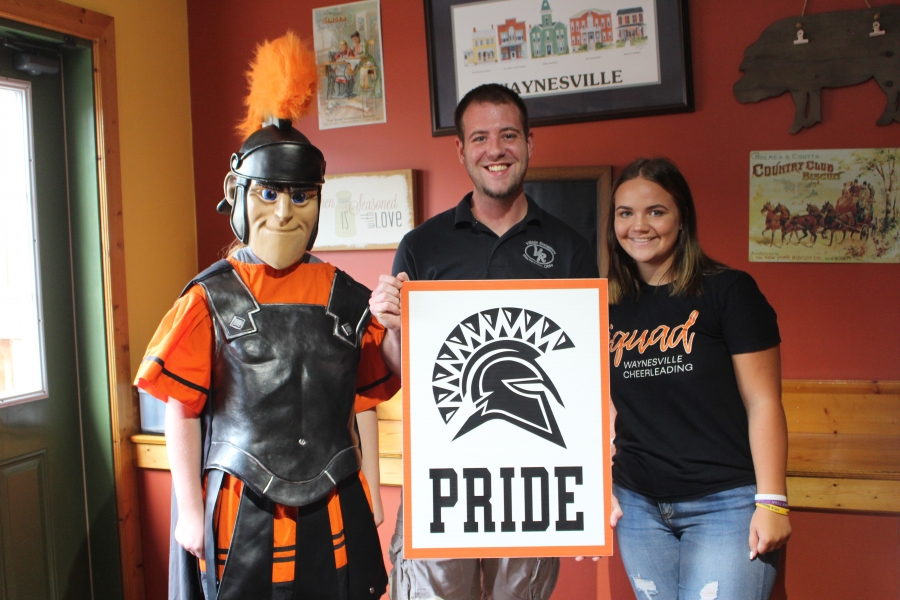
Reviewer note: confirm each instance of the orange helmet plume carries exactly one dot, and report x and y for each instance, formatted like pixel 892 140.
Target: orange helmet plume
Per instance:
pixel 283 80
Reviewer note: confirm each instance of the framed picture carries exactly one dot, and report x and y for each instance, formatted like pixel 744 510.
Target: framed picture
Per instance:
pixel 347 40
pixel 505 388
pixel 366 211
pixel 833 206
pixel 579 197
pixel 570 60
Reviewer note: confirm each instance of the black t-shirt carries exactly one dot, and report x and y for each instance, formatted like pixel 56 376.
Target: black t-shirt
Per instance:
pixel 453 245
pixel 681 429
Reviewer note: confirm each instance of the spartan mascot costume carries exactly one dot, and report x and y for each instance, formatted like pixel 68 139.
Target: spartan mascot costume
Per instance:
pixel 268 356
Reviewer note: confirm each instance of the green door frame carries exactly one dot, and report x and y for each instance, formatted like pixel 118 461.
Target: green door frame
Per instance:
pixel 123 415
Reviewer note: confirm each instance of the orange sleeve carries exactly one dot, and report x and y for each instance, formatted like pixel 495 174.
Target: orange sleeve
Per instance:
pixel 374 381
pixel 178 362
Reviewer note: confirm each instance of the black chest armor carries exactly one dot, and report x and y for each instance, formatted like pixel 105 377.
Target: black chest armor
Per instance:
pixel 283 387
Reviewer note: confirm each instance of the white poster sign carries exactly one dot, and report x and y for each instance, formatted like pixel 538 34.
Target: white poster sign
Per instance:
pixel 506 419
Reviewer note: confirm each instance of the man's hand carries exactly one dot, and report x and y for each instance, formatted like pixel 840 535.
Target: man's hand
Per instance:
pixel 384 303
pixel 385 300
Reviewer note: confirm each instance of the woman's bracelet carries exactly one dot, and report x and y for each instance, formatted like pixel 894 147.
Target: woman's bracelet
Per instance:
pixel 774 508
pixel 762 497
pixel 774 503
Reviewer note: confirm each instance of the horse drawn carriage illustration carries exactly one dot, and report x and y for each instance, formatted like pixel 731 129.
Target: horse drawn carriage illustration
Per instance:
pixel 851 214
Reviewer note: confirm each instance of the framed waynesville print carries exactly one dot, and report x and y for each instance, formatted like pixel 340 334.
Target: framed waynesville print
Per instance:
pixel 570 60
pixel 506 445
pixel 366 211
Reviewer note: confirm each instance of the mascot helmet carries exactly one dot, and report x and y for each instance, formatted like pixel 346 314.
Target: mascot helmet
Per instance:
pixel 283 81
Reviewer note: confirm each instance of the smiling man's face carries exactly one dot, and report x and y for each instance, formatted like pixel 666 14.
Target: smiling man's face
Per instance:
pixel 281 222
pixel 495 149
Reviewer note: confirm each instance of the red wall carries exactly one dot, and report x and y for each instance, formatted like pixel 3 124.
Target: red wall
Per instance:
pixel 837 321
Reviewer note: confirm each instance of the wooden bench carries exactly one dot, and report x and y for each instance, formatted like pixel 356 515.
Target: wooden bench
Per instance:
pixel 843 444
pixel 843 448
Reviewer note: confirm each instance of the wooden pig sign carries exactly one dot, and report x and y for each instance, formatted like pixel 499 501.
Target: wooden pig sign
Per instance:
pixel 801 55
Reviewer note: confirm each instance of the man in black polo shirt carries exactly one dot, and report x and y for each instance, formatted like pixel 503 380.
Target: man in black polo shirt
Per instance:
pixel 495 232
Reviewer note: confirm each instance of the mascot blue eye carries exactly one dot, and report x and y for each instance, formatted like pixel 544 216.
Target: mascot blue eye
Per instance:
pixel 300 197
pixel 269 195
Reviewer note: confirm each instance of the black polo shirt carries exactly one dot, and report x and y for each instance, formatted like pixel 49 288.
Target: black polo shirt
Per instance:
pixel 453 245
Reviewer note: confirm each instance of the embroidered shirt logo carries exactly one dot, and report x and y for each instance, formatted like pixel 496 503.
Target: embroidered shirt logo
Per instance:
pixel 487 369
pixel 540 254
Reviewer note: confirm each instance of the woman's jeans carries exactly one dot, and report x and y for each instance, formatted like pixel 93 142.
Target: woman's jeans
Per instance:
pixel 695 550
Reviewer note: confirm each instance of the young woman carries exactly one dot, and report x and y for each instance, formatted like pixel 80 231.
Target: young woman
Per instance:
pixel 699 505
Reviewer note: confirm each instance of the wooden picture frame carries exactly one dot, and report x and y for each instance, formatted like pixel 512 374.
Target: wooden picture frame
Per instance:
pixel 579 196
pixel 366 211
pixel 573 86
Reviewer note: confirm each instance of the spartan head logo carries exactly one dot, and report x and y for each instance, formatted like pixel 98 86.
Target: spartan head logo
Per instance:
pixel 487 369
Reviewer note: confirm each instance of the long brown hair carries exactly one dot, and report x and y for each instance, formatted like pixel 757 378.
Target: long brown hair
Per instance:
pixel 690 262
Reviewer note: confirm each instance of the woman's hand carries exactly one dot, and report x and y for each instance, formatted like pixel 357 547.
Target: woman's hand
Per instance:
pixel 189 530
pixel 614 517
pixel 768 531
pixel 616 513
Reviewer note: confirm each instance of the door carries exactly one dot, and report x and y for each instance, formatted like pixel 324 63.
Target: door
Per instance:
pixel 46 523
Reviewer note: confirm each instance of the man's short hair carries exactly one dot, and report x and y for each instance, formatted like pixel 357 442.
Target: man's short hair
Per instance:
pixel 489 93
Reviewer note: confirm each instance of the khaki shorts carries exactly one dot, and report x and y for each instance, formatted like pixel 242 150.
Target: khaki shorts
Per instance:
pixel 469 578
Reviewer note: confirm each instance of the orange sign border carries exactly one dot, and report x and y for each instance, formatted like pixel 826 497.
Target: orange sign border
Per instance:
pixel 520 551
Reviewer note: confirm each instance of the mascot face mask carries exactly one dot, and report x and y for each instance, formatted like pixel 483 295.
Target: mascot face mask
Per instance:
pixel 281 221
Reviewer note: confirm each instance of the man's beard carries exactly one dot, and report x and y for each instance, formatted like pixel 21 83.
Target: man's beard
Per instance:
pixel 509 193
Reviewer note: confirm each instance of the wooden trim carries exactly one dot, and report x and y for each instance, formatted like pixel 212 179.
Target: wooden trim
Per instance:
pixel 57 16
pixel 100 30
pixel 844 494
pixel 123 398
pixel 150 452
pixel 842 407
pixel 837 386
pixel 847 462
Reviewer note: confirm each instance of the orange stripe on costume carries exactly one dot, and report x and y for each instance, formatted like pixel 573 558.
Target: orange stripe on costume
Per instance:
pixel 284 539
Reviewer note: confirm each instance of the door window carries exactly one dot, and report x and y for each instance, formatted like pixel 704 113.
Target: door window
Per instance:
pixel 22 373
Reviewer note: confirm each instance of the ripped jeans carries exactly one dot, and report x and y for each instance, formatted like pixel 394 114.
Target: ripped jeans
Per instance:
pixel 694 550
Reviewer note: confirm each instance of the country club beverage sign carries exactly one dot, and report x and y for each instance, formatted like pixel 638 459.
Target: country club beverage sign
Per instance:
pixel 506 419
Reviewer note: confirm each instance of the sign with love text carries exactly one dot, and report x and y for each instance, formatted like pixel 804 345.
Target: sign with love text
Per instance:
pixel 506 418
pixel 366 211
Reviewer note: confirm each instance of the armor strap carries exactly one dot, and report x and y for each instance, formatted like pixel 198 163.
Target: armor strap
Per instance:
pixel 248 569
pixel 231 303
pixel 367 577
pixel 349 306
pixel 213 485
pixel 217 267
pixel 315 572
